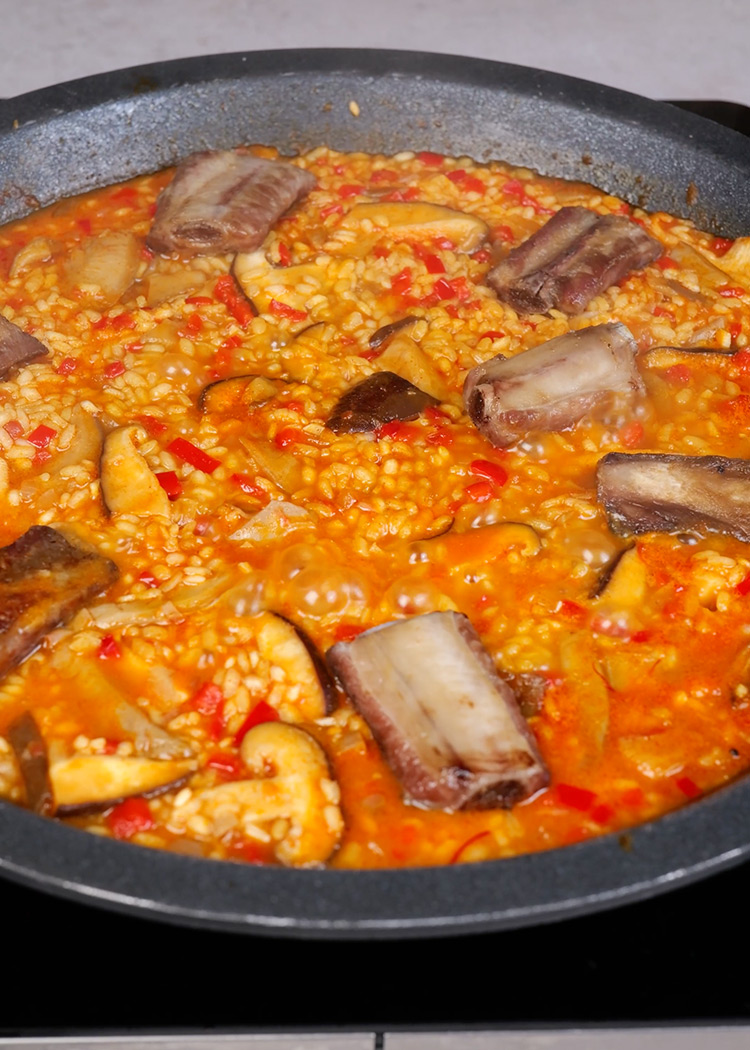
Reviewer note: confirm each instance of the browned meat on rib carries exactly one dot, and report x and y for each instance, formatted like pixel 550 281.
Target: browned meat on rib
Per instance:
pixel 224 201
pixel 575 256
pixel 650 492
pixel 448 725
pixel 17 348
pixel 554 385
pixel 44 580
pixel 379 399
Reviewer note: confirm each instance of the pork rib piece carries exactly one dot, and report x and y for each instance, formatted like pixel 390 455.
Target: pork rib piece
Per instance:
pixel 44 581
pixel 448 725
pixel 651 492
pixel 554 385
pixel 17 348
pixel 223 201
pixel 574 257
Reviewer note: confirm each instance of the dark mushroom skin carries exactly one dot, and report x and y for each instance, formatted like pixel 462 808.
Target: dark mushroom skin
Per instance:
pixel 574 257
pixel 382 334
pixel 17 348
pixel 44 581
pixel 224 201
pixel 325 678
pixel 379 399
pixel 33 761
pixel 447 723
pixel 554 385
pixel 651 492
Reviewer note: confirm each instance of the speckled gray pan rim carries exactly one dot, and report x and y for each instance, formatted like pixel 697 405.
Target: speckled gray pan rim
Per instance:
pixel 104 129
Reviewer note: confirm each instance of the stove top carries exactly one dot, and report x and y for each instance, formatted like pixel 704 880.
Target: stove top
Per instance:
pixel 672 960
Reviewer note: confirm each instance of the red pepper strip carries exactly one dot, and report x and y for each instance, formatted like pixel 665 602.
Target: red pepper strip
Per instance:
pixel 575 797
pixel 262 712
pixel 469 842
pixel 152 425
pixel 283 310
pixel 397 431
pixel 432 263
pixel 14 428
pixel 170 483
pixel 665 263
pixel 571 609
pixel 350 190
pixel 480 491
pixel 688 787
pixel 130 817
pixel 190 453
pixel 108 649
pixel 248 485
pixel 41 436
pixel 227 292
pixel 484 468
pixel 67 366
pixel 430 160
pixel 228 765
pixel 285 256
pixel 116 368
pixel 631 434
pixel 148 579
pixel 401 283
pixel 678 374
pixel 743 587
pixel 199 300
pixel 347 632
pixel 289 436
pixel 731 293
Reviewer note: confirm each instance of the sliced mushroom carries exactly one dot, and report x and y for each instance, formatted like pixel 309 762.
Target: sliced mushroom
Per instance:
pixel 44 581
pixel 447 723
pixel 159 287
pixel 278 464
pixel 236 396
pixel 86 444
pixel 481 545
pixel 17 348
pixel 286 645
pixel 225 201
pixel 292 789
pixel 382 334
pixel 102 270
pixel 404 357
pixel 574 257
pixel 31 752
pixel 406 219
pixel 86 783
pixel 379 399
pixel 651 492
pixel 736 262
pixel 623 581
pixel 38 250
pixel 275 521
pixel 128 485
pixel 554 385
pixel 668 356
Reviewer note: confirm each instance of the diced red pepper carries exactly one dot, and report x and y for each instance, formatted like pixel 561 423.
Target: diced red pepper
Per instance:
pixel 170 483
pixel 480 491
pixel 688 787
pixel 482 255
pixel 401 283
pixel 193 325
pixel 383 175
pixel 503 233
pixel 249 486
pixel 431 160
pixel 41 436
pixel 408 194
pixel 731 292
pixel 122 322
pixel 108 649
pixel 743 587
pixel 735 329
pixel 262 712
pixel 440 436
pixel 207 701
pixel 14 429
pixel 576 797
pixel 41 457
pixel 381 251
pixel 720 245
pixel 663 311
pixel 469 842
pixel 283 310
pixel 84 225
pixel 631 434
pixel 632 797
pixel 289 436
pixel 67 366
pixel 134 348
pixel 331 209
pixel 513 187
pixel 130 817
pixel 443 289
pixel 473 185
pixel 432 262
pixel 666 263
pixel 602 814
pixel 199 300
pixel 152 425
pixel 350 190
pixel 398 431
pixel 228 292
pixel 125 195
pixel 492 334
pixel 285 256
pixel 571 610
pixel 347 632
pixel 456 176
pixel 194 456
pixel 116 368
pixel 493 472
pixel 148 579
pixel 678 374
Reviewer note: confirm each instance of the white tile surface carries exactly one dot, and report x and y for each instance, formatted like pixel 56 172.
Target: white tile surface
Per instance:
pixel 661 48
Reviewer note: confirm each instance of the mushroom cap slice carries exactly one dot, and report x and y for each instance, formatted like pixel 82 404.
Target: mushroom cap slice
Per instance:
pixel 128 485
pixel 85 783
